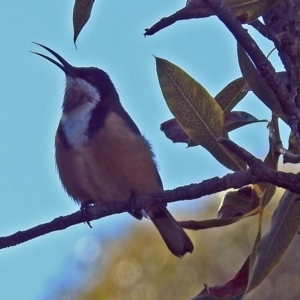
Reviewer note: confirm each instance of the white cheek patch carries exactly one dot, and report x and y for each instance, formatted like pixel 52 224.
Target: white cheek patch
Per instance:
pixel 75 122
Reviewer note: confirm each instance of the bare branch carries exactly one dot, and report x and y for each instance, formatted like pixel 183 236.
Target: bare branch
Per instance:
pixel 257 172
pixel 267 71
pixel 186 13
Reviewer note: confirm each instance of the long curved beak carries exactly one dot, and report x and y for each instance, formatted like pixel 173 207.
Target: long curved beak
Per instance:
pixel 62 64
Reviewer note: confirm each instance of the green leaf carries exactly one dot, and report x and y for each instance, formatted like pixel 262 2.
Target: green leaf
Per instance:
pixel 196 111
pixel 175 133
pixel 237 119
pixel 81 14
pixel 257 83
pixel 232 94
pixel 284 227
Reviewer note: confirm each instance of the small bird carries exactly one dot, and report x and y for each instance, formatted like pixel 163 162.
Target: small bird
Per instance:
pixel 100 153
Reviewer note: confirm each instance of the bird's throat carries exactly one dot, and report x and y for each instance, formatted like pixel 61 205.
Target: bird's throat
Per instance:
pixel 75 124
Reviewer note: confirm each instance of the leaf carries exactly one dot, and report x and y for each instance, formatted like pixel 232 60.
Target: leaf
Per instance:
pixel 196 111
pixel 232 94
pixel 232 290
pixel 237 119
pixel 81 14
pixel 211 223
pixel 175 133
pixel 257 83
pixel 227 99
pixel 253 254
pixel 238 203
pixel 233 120
pixel 267 189
pixel 284 226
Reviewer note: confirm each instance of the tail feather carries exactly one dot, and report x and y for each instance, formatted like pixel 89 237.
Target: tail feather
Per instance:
pixel 174 236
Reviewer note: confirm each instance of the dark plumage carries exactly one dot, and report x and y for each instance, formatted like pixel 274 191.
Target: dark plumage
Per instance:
pixel 101 155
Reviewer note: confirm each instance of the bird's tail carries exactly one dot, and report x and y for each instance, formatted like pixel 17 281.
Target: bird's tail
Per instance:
pixel 174 236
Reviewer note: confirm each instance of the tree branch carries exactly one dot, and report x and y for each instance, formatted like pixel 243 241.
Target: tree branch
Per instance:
pixel 258 172
pixel 287 100
pixel 267 71
pixel 186 13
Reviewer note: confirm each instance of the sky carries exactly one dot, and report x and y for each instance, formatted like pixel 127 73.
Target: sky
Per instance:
pixel 31 91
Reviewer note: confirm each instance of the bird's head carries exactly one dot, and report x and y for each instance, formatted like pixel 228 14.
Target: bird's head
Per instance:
pixel 83 85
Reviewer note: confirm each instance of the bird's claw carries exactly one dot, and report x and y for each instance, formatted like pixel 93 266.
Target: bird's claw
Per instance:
pixel 84 211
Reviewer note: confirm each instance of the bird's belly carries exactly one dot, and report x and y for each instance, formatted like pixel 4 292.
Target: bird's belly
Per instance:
pixel 104 174
pixel 114 164
pixel 88 180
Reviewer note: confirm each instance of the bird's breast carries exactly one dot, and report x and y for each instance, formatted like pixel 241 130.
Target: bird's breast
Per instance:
pixel 114 163
pixel 75 124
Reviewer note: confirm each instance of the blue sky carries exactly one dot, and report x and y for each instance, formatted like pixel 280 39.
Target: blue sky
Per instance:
pixel 31 93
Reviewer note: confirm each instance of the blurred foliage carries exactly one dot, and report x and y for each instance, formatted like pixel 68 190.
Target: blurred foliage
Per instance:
pixel 137 265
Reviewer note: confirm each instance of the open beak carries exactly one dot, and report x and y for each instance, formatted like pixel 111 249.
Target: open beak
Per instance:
pixel 62 64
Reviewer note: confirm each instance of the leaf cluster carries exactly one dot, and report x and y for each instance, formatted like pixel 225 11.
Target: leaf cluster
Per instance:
pixel 201 119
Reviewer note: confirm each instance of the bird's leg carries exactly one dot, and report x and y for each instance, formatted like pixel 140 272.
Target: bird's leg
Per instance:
pixel 84 211
pixel 132 210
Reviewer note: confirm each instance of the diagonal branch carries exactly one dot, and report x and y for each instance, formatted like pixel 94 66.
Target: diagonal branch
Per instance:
pixel 267 71
pixel 265 68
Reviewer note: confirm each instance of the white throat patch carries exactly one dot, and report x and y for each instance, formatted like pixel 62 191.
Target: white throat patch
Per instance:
pixel 75 122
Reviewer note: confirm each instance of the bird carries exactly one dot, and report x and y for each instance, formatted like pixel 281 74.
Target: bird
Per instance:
pixel 101 155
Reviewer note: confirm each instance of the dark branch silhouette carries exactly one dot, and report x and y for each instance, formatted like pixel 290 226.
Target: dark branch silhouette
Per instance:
pixel 258 172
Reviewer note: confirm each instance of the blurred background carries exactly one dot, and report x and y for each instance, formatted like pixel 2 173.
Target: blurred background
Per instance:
pixel 120 258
